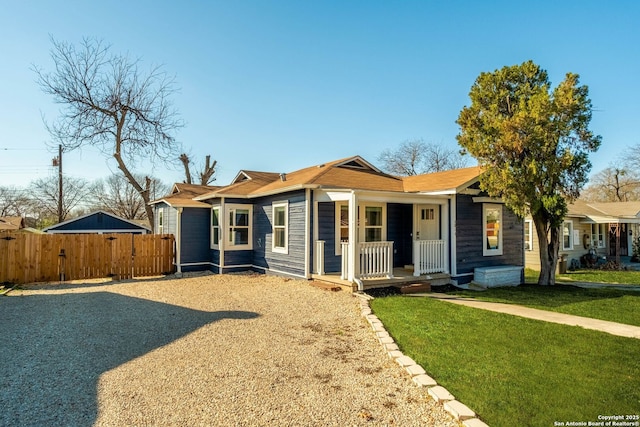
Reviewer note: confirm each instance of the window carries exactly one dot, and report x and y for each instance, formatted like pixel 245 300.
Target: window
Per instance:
pixel 597 235
pixel 280 227
pixel 528 235
pixel 428 214
pixel 215 227
pixel 370 226
pixel 161 221
pixel 373 224
pixel 239 226
pixel 342 225
pixel 567 235
pixel 492 229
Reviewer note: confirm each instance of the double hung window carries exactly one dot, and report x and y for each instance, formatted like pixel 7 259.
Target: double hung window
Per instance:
pixel 567 235
pixel 492 229
pixel 215 227
pixel 238 227
pixel 280 221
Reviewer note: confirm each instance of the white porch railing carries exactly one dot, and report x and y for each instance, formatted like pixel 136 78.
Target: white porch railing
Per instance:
pixel 376 260
pixel 429 256
pixel 320 257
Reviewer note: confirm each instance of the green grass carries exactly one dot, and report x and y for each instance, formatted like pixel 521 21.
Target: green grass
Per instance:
pixel 516 371
pixel 622 306
pixel 626 277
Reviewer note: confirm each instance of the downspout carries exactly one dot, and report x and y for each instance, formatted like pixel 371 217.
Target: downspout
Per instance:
pixel 178 242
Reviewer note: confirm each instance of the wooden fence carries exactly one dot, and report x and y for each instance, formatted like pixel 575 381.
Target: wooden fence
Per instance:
pixel 28 258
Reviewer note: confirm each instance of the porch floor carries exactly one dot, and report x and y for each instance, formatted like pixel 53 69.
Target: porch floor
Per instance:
pixel 401 277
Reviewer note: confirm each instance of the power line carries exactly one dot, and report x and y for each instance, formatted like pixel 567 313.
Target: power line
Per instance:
pixel 24 149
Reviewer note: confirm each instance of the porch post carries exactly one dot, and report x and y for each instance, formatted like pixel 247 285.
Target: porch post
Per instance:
pixel 353 236
pixel 446 232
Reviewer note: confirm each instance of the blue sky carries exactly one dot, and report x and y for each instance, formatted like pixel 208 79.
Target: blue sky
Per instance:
pixel 281 85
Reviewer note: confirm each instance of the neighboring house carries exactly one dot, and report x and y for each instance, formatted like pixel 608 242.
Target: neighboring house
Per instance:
pixel 607 227
pixel 99 222
pixel 11 223
pixel 345 219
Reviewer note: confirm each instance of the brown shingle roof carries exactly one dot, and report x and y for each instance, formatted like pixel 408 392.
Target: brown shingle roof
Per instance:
pixel 615 210
pixel 442 181
pixel 182 195
pixel 348 173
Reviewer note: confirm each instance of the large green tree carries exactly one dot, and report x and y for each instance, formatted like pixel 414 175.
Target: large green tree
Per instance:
pixel 533 143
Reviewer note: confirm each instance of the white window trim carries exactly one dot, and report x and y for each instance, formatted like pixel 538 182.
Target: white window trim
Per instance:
pixel 570 247
pixel 597 238
pixel 219 227
pixel 338 225
pixel 499 250
pixel 361 232
pixel 528 226
pixel 229 245
pixel 161 219
pixel 274 248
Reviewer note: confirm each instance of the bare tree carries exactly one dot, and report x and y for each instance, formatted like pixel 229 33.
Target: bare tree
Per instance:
pixel 45 194
pixel 14 201
pixel 114 194
pixel 414 157
pixel 613 184
pixel 208 170
pixel 109 103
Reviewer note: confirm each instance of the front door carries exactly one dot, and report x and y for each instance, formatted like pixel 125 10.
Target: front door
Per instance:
pixel 428 227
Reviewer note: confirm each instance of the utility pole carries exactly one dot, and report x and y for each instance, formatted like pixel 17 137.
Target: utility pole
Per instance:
pixel 57 161
pixel 60 213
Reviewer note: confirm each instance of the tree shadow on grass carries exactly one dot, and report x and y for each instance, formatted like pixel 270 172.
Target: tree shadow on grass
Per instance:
pixel 547 296
pixel 55 347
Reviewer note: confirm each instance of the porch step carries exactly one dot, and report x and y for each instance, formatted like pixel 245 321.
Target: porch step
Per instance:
pixel 326 286
pixel 415 288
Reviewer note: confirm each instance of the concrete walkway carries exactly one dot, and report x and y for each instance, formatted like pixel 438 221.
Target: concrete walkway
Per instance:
pixel 613 328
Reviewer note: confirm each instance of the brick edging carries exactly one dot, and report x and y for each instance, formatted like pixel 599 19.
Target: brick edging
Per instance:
pixel 441 395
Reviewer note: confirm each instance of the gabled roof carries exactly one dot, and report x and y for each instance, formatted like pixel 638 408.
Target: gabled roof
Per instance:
pixel 10 223
pixel 348 173
pixel 65 224
pixel 182 195
pixel 605 212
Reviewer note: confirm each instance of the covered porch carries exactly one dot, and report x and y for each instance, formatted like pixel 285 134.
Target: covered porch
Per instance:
pixel 364 242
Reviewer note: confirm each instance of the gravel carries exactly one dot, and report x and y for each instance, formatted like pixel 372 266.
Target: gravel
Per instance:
pixel 204 350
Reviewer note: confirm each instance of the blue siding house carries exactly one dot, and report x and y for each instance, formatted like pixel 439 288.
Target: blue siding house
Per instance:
pixel 344 221
pixel 99 222
pixel 188 220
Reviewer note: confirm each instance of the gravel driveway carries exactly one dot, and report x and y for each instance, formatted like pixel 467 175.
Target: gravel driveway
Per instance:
pixel 206 350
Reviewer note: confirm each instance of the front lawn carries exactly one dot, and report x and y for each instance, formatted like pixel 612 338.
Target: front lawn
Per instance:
pixel 620 306
pixel 623 277
pixel 512 370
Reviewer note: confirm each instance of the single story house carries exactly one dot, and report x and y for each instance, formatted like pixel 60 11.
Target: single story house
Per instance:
pixel 344 219
pixel 606 227
pixel 99 222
